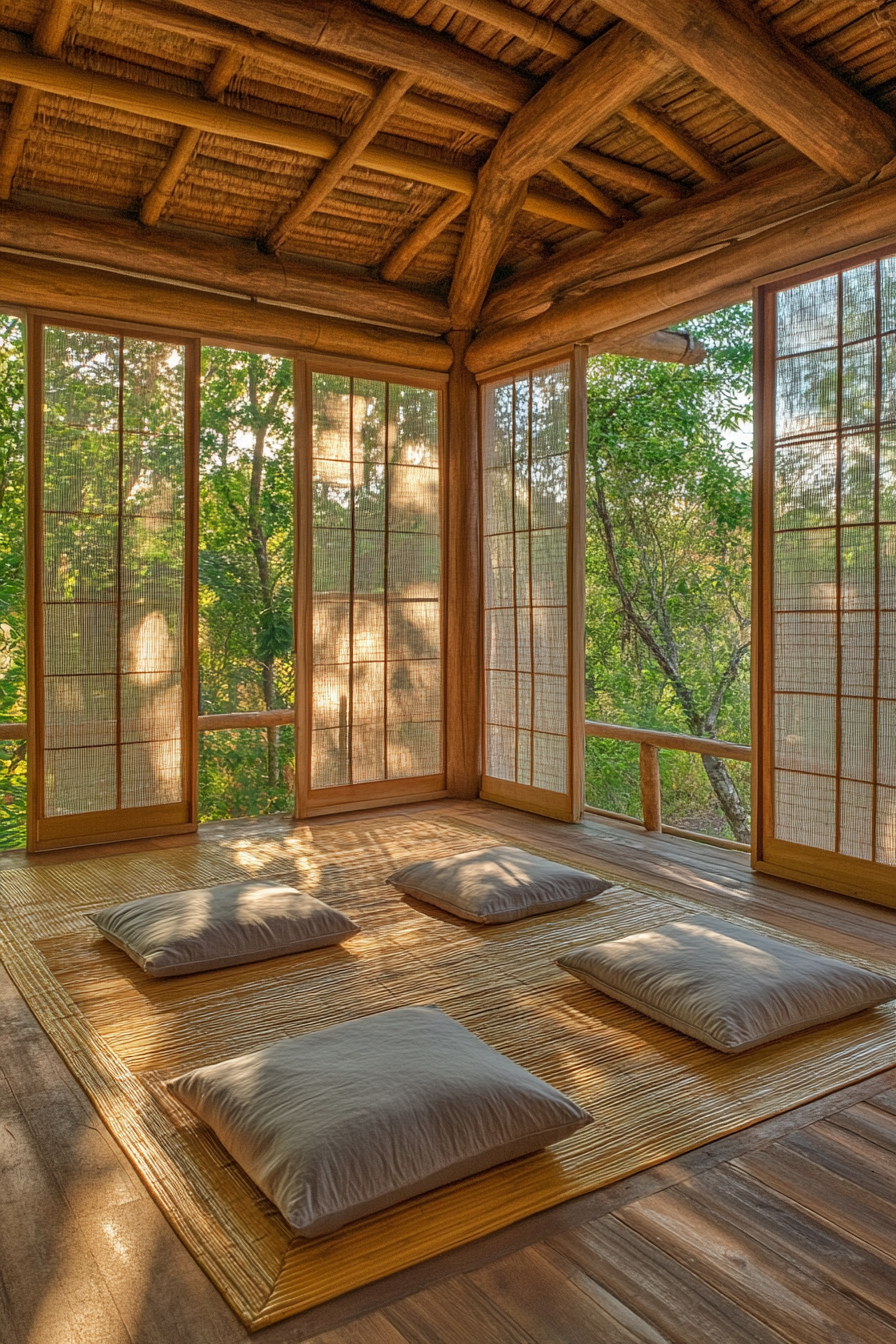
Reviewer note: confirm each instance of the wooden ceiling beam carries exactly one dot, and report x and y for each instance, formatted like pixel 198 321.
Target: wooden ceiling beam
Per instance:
pixel 219 263
pixel 672 139
pixel 425 233
pixel 859 219
pixel 626 174
pixel 527 27
pixel 728 43
pixel 329 177
pixel 48 38
pixel 617 67
pixel 52 76
pixel 294 63
pixel 92 293
pixel 159 194
pixel 350 28
pixel 601 200
pixel 665 346
pixel 713 216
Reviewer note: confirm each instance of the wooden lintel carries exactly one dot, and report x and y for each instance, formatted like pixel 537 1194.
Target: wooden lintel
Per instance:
pixel 664 346
pixel 222 264
pixel 89 293
pixel 730 44
pixel 861 218
pixel 374 119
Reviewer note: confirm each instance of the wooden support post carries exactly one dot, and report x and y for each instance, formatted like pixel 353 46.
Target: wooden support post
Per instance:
pixel 463 661
pixel 651 791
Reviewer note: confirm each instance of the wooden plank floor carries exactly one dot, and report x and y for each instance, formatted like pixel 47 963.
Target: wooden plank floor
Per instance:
pixel 786 1231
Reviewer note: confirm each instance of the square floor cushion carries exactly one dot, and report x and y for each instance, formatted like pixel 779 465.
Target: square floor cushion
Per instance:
pixel 184 931
pixel 498 885
pixel 728 986
pixel 353 1118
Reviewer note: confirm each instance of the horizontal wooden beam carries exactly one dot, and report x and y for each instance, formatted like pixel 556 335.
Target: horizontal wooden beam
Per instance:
pixel 858 219
pixel 362 33
pixel 672 139
pixel 48 38
pixel 714 216
pixel 527 27
pixel 219 263
pixel 295 64
pixel 13 732
pixel 666 347
pixel 91 293
pixel 626 174
pixel 703 746
pixel 260 718
pixel 728 43
pixel 160 104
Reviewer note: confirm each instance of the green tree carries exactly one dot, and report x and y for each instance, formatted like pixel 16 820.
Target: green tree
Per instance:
pixel 12 576
pixel 245 562
pixel 669 543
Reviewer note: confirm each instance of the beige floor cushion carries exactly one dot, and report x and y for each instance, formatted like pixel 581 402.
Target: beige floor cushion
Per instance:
pixel 726 985
pixel 351 1119
pixel 185 931
pixel 498 885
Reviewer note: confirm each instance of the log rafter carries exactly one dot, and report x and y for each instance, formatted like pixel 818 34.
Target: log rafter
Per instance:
pixel 671 138
pixel 161 191
pixel 48 38
pixel 537 32
pixel 617 67
pixel 425 233
pixel 53 76
pixel 374 119
pixel 730 45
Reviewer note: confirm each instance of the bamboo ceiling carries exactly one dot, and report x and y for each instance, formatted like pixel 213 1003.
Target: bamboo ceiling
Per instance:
pixel 306 139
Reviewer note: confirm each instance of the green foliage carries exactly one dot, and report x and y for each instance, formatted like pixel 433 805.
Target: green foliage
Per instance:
pixel 245 578
pixel 668 562
pixel 12 577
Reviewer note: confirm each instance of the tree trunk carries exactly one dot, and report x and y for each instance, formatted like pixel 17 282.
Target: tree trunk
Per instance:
pixel 729 799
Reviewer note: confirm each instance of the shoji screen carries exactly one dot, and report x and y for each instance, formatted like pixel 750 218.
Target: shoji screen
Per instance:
pixel 533 567
pixel 375 619
pixel 112 691
pixel 826 593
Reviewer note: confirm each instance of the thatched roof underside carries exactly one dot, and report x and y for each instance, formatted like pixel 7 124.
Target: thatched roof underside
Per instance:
pixel 82 157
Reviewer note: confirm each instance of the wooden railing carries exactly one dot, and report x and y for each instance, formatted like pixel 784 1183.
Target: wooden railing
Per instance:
pixel 208 723
pixel 650 742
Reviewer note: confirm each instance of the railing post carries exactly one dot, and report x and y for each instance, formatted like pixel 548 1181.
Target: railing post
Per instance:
pixel 651 793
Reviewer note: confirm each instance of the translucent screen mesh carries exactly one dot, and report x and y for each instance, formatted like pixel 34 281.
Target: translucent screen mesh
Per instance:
pixel 835 563
pixel 112 581
pixel 525 510
pixel 377 669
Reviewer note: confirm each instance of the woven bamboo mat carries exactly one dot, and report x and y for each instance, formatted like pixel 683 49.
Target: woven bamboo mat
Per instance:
pixel 654 1093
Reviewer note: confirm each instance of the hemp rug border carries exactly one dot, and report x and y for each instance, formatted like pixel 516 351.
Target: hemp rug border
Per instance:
pixel 654 1093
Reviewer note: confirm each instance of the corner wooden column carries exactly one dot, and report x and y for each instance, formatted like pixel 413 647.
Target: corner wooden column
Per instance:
pixel 463 659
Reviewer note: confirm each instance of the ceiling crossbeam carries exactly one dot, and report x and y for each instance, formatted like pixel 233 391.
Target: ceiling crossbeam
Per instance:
pixel 617 67
pixel 672 139
pixel 727 42
pixel 425 233
pixel 329 177
pixel 537 32
pixel 48 38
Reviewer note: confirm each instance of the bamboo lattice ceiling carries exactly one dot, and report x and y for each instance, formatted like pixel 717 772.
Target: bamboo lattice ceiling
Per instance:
pixel 354 135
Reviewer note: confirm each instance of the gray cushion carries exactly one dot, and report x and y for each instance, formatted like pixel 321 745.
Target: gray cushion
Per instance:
pixel 354 1118
pixel 726 985
pixel 184 931
pixel 495 886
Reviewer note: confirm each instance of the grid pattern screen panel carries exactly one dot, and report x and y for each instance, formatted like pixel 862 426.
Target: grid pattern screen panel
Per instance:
pixel 377 643
pixel 834 634
pixel 525 539
pixel 112 573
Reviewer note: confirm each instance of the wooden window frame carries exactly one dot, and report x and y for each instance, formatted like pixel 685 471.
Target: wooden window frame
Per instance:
pixel 865 879
pixel 311 802
pixel 568 806
pixel 136 823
